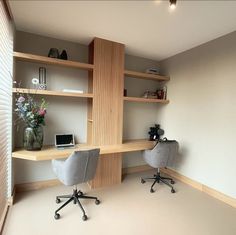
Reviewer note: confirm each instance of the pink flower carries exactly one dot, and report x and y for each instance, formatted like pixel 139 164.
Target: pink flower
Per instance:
pixel 21 99
pixel 42 112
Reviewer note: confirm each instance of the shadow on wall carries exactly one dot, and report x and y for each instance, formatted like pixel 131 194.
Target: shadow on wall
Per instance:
pixel 180 159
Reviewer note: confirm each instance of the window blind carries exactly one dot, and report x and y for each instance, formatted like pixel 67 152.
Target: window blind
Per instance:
pixel 6 64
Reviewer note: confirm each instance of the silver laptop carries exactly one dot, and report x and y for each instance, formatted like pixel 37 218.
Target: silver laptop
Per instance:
pixel 64 140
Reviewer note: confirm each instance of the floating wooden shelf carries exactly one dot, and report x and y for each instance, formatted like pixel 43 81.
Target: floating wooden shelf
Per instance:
pixel 46 60
pixel 146 76
pixel 50 152
pixel 145 100
pixel 51 93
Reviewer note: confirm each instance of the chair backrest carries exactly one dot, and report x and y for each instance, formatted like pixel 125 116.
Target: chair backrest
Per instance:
pixel 80 166
pixel 162 154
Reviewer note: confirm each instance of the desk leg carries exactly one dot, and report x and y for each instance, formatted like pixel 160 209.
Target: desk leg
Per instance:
pixel 109 171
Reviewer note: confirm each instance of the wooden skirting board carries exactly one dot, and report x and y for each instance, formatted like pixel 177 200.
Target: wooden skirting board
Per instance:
pixel 210 191
pixel 130 170
pixel 136 169
pixel 36 185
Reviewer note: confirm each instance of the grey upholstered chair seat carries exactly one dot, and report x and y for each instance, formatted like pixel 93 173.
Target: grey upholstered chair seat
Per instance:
pixel 161 156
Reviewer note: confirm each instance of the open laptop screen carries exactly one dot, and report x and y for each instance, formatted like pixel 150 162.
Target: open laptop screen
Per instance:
pixel 64 140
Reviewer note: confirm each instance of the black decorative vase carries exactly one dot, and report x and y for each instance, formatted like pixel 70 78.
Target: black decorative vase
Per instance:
pixel 33 138
pixel 53 53
pixel 63 55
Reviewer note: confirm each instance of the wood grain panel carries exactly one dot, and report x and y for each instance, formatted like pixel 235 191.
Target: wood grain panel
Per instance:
pixel 107 109
pixel 109 171
pixel 108 85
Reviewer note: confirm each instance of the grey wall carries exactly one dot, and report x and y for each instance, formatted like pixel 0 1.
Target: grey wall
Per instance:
pixel 202 112
pixel 70 114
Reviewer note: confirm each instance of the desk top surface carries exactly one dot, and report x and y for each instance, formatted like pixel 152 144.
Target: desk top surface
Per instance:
pixel 50 152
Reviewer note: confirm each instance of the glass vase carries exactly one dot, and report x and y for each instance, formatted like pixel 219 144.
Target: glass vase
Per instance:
pixel 33 138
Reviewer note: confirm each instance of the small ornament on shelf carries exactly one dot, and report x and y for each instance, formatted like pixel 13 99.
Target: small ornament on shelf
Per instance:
pixel 42 79
pixel 146 94
pixel 53 53
pixel 155 132
pixel 152 71
pixel 150 95
pixel 63 55
pixel 35 82
pixel 161 93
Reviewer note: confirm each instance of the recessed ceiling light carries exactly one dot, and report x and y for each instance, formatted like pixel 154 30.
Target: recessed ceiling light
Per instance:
pixel 173 4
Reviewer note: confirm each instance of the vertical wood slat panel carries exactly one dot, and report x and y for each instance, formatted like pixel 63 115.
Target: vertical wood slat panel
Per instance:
pixel 109 171
pixel 108 84
pixel 107 107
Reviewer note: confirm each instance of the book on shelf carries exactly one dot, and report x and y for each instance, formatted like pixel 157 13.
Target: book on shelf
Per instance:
pixel 73 91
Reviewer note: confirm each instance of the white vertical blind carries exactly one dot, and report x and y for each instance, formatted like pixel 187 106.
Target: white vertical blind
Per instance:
pixel 6 64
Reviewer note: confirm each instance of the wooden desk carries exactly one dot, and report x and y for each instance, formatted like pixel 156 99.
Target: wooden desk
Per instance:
pixel 50 152
pixel 107 174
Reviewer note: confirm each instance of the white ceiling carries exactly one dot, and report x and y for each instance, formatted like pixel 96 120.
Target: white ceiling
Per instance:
pixel 147 28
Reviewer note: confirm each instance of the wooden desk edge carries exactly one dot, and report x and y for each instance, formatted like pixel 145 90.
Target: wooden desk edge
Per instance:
pixel 49 152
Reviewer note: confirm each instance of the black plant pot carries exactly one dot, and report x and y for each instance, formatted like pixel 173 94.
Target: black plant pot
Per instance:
pixel 63 55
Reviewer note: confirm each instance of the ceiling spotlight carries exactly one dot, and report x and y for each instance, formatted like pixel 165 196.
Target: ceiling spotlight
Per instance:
pixel 173 4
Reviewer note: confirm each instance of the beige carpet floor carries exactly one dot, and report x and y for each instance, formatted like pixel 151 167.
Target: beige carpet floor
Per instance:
pixel 128 208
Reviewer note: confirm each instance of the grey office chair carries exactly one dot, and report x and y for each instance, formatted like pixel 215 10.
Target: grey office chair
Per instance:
pixel 80 167
pixel 162 154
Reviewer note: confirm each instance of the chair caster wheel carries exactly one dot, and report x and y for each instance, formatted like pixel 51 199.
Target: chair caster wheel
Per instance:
pixel 172 190
pixel 80 193
pixel 97 202
pixel 143 181
pixel 57 216
pixel 151 190
pixel 84 217
pixel 58 200
pixel 172 182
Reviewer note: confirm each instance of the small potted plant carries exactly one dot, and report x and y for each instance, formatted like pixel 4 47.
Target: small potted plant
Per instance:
pixel 32 113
